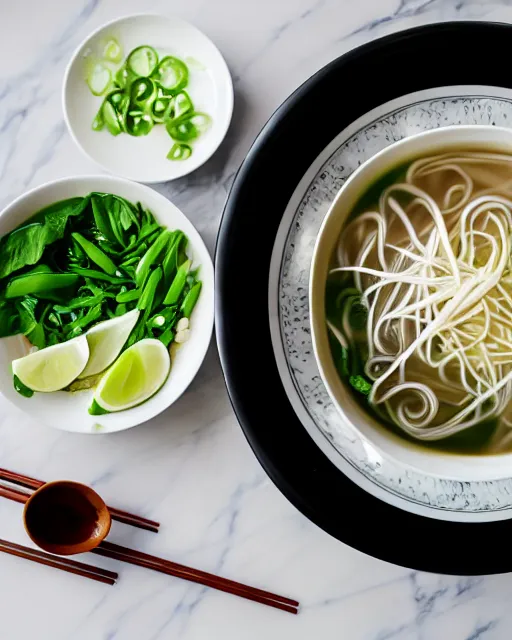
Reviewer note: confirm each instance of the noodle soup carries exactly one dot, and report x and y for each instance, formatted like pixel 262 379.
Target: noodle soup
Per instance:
pixel 418 302
pixel 408 303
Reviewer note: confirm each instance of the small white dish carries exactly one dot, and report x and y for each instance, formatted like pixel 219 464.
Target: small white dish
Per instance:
pixel 68 411
pixel 430 462
pixel 144 158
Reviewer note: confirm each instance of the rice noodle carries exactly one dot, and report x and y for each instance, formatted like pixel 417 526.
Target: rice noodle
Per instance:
pixel 436 276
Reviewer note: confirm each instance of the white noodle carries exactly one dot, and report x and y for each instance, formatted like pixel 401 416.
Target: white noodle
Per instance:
pixel 439 297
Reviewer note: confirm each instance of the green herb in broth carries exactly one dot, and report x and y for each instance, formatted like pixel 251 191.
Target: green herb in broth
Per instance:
pixel 351 355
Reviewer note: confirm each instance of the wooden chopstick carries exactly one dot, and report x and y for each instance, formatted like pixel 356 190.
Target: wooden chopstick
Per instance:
pixel 132 556
pixel 64 564
pixel 197 573
pixel 117 514
pixel 117 552
pixel 13 494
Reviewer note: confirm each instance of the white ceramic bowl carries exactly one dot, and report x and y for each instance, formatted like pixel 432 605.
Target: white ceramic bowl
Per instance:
pixel 446 465
pixel 68 411
pixel 144 158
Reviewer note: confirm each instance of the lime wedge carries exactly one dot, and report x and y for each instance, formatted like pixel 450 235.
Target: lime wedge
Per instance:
pixel 136 376
pixel 53 368
pixel 106 340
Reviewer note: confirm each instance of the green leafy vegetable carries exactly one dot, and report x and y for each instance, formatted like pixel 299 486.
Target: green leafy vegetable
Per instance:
pixel 96 255
pixel 25 245
pixel 92 258
pixel 358 316
pixel 344 362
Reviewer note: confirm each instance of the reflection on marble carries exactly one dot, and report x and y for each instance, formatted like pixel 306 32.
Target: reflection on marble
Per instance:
pixel 191 468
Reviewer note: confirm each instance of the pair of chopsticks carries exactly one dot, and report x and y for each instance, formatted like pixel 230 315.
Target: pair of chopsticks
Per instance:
pixel 131 556
pixel 117 514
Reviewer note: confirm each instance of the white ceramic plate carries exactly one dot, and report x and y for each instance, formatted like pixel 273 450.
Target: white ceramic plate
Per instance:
pixel 68 411
pixel 144 158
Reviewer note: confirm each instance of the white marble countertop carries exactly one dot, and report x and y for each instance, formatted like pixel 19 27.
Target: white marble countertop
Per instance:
pixel 191 468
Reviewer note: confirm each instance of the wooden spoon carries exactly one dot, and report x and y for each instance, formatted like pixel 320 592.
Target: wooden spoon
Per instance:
pixel 66 517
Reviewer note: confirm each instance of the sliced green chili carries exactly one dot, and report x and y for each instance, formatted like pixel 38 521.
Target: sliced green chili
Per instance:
pixel 162 108
pixel 179 151
pixel 98 124
pixel 99 78
pixel 124 77
pixel 138 123
pixel 182 104
pixel 143 92
pixel 112 51
pixel 110 118
pixel 142 61
pixel 188 127
pixel 171 74
pixel 147 91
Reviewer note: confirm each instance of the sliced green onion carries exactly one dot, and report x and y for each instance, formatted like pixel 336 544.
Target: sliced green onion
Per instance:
pixel 98 78
pixel 171 74
pixel 188 127
pixel 112 51
pixel 179 151
pixel 142 61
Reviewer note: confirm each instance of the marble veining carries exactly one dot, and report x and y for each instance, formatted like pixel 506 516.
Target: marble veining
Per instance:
pixel 191 468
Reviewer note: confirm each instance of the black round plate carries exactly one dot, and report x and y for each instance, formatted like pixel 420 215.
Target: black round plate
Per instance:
pixel 360 80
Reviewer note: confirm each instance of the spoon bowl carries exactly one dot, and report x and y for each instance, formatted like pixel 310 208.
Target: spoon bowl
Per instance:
pixel 66 517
